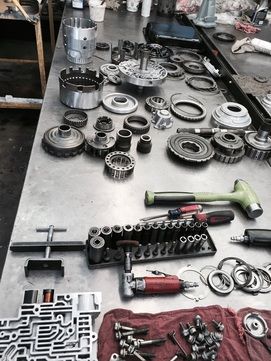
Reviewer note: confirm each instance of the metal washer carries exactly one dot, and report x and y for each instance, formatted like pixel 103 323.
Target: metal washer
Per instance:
pixel 120 103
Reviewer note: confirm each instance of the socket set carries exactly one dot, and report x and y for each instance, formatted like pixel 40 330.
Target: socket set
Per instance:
pixel 157 241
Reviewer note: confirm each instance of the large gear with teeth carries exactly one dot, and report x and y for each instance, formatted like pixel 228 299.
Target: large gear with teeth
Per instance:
pixel 229 147
pixel 190 147
pixel 258 144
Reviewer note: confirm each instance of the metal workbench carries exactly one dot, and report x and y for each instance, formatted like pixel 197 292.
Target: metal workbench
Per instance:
pixel 76 193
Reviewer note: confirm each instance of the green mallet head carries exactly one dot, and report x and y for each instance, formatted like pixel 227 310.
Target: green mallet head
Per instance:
pixel 247 198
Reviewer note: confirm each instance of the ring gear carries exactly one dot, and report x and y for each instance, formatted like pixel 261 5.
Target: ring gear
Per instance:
pixel 190 147
pixel 137 124
pixel 193 67
pixel 156 103
pixel 104 124
pixel 119 165
pixel 63 141
pixel 175 109
pixel 76 118
pixel 100 145
pixel 173 70
pixel 210 84
pixel 229 147
pixel 258 144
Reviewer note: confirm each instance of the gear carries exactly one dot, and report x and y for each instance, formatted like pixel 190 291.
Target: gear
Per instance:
pixel 76 118
pixel 196 82
pixel 63 141
pixel 100 145
pixel 229 148
pixel 258 144
pixel 137 124
pixel 156 103
pixel 158 52
pixel 190 147
pixel 173 70
pixel 182 114
pixel 119 165
pixel 104 124
pixel 193 67
pixel 183 55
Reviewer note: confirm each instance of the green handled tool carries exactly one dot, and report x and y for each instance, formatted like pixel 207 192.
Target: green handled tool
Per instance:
pixel 242 194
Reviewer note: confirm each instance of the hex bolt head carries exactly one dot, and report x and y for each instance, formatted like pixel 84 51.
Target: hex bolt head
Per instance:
pixel 198 349
pixel 123 344
pixel 192 339
pixel 192 357
pixel 198 321
pixel 118 326
pixel 209 356
pixel 218 325
pixel 184 331
pixel 118 335
pixel 200 337
pixel 209 340
pixel 192 330
pixel 217 336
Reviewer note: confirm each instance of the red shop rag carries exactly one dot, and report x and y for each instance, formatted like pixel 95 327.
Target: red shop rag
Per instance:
pixel 233 346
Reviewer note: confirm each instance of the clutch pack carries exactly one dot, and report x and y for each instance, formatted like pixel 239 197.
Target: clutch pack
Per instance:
pixel 63 141
pixel 190 147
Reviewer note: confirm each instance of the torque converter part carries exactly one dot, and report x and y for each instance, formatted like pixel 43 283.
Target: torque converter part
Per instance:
pixel 144 144
pixel 157 52
pixel 119 165
pixel 156 103
pixel 184 55
pixel 76 118
pixel 193 67
pixel 142 73
pixel 63 141
pixel 201 83
pixel 123 141
pixel 177 108
pixel 173 70
pixel 120 103
pixel 100 145
pixel 255 325
pixel 79 38
pixel 231 115
pixel 137 124
pixel 104 124
pixel 190 147
pixel 258 144
pixel 109 69
pixel 229 147
pixel 80 89
pixel 162 119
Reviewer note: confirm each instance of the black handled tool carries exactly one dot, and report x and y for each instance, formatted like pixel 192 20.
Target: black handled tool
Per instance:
pixel 254 237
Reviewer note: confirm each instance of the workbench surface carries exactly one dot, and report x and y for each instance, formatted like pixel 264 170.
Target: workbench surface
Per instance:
pixel 76 193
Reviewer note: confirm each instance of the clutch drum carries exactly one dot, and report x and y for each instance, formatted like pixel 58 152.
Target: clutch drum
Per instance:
pixel 190 147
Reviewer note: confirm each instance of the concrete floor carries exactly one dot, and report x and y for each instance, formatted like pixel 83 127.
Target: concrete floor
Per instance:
pixel 17 127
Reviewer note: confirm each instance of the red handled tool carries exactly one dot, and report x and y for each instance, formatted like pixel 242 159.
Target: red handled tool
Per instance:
pixel 214 218
pixel 177 212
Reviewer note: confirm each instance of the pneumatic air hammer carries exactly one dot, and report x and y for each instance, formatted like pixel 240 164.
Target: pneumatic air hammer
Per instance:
pixel 242 194
pixel 163 284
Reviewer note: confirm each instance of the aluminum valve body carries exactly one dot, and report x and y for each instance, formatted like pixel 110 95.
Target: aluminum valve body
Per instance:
pixel 79 39
pixel 63 141
pixel 231 115
pixel 80 89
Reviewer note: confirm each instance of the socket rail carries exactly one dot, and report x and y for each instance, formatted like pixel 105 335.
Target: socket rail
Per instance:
pixel 157 241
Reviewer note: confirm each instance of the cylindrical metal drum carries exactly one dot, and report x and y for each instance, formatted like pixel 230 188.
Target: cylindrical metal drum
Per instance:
pixel 79 38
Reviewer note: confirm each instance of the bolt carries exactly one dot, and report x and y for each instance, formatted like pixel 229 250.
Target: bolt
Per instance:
pixel 157 342
pixel 191 339
pixel 124 353
pixel 209 340
pixel 217 336
pixel 176 356
pixel 218 325
pixel 118 326
pixel 123 344
pixel 197 348
pixel 214 347
pixel 199 337
pixel 198 321
pixel 172 337
pixel 138 331
pixel 185 331
pixel 192 330
pixel 209 356
pixel 193 356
